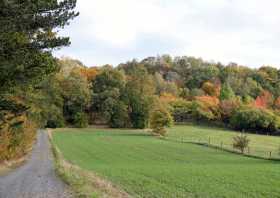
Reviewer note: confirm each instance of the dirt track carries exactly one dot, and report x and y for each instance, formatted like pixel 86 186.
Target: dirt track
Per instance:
pixel 36 178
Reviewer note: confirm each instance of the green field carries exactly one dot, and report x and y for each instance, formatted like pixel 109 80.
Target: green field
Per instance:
pixel 146 166
pixel 260 145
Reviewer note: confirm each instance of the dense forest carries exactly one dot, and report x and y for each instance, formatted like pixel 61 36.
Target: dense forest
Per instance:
pixel 189 88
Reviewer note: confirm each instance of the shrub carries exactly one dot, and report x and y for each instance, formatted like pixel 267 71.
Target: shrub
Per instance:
pixel 16 137
pixel 160 118
pixel 80 120
pixel 241 142
pixel 255 119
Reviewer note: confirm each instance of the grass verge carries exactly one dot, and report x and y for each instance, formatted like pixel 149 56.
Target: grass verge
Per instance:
pixel 84 183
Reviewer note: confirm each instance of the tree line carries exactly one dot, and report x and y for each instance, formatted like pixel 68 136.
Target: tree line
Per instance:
pixel 188 88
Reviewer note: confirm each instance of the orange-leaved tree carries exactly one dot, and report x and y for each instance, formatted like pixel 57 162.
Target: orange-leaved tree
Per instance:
pixel 264 100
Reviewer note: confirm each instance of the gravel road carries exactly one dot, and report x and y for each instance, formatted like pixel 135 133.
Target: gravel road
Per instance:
pixel 36 178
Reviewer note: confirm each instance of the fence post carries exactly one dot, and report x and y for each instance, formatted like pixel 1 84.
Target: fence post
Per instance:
pixel 221 145
pixel 182 139
pixel 209 141
pixel 270 154
pixel 248 150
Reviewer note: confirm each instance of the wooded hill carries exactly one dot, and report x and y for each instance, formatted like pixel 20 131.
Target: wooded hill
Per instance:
pixel 190 88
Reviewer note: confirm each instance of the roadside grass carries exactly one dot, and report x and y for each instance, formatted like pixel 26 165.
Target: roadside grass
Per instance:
pixel 259 145
pixel 145 166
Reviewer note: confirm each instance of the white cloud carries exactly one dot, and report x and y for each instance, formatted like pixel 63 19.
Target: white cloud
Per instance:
pixel 222 30
pixel 120 22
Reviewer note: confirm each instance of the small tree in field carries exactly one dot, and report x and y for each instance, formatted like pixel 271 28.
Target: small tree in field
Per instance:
pixel 241 142
pixel 160 119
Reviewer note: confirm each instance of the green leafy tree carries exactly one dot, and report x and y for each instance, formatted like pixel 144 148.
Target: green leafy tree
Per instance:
pixel 163 86
pixel 181 110
pixel 256 120
pixel 76 97
pixel 226 92
pixel 80 120
pixel 107 88
pixel 46 103
pixel 119 117
pixel 28 36
pixel 200 74
pixel 139 94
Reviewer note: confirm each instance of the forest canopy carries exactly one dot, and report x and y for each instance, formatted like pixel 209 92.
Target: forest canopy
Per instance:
pixel 191 89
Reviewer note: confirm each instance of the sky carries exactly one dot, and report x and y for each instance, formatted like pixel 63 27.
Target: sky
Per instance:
pixel 115 31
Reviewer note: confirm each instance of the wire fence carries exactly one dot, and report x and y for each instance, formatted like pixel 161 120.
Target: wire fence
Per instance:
pixel 251 150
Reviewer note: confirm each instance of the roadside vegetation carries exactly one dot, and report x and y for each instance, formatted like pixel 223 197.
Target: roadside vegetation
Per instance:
pixel 85 184
pixel 28 35
pixel 146 166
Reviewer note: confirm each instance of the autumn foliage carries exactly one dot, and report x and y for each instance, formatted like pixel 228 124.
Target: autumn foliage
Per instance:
pixel 277 103
pixel 211 89
pixel 264 100
pixel 167 98
pixel 90 73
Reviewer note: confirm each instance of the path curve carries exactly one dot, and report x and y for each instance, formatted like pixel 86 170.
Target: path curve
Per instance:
pixel 36 178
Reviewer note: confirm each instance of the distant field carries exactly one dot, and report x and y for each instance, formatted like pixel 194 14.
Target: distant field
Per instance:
pixel 260 145
pixel 146 166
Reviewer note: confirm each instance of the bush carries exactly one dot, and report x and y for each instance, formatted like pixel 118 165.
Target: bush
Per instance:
pixel 160 118
pixel 16 138
pixel 241 142
pixel 255 119
pixel 80 120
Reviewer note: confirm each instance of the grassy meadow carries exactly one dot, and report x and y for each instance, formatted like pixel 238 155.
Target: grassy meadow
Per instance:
pixel 145 166
pixel 259 145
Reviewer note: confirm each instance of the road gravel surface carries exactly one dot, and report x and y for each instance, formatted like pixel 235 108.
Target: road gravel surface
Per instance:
pixel 36 178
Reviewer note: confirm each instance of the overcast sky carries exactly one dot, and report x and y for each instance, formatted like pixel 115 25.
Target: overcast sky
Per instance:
pixel 115 31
